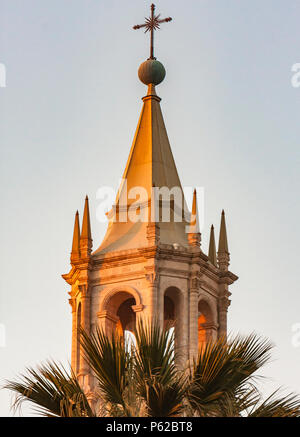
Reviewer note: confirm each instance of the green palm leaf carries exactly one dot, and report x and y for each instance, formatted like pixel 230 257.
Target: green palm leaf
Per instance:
pixel 287 406
pixel 223 371
pixel 159 383
pixel 110 361
pixel 52 391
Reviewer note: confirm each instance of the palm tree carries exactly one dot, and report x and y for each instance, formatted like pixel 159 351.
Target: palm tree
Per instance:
pixel 145 381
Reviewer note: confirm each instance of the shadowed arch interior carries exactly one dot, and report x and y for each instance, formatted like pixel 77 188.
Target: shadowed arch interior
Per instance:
pixel 205 320
pixel 123 318
pixel 173 316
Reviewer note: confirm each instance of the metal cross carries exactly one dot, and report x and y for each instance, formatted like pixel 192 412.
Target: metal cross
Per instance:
pixel 152 24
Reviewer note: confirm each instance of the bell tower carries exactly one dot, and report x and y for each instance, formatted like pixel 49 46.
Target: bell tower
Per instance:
pixel 150 264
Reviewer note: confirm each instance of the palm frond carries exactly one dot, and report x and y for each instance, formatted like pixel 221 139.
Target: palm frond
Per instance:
pixel 287 406
pixel 159 383
pixel 222 371
pixel 52 390
pixel 110 361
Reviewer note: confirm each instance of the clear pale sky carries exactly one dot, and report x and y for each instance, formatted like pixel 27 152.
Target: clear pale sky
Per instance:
pixel 68 116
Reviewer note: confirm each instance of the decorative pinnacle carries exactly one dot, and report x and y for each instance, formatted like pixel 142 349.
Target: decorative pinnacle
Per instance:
pixel 212 254
pixel 76 238
pixel 151 24
pixel 223 244
pixel 86 224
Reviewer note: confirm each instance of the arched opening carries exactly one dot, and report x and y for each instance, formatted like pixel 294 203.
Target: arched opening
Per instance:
pixel 173 317
pixel 78 323
pixel 205 323
pixel 169 312
pixel 126 316
pixel 120 316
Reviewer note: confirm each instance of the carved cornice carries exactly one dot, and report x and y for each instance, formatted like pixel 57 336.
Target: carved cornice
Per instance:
pixel 227 277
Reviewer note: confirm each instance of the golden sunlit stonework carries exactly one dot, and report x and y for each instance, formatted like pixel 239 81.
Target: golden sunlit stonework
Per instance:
pixel 149 269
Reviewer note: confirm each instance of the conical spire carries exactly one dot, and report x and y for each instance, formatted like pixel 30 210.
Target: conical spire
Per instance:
pixel 223 244
pixel 150 162
pixel 86 235
pixel 75 254
pixel 223 254
pixel 212 253
pixel 194 235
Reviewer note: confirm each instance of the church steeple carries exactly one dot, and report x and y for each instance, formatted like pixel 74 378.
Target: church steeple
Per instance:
pixel 149 265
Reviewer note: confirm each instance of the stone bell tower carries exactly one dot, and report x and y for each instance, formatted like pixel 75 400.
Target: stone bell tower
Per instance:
pixel 150 264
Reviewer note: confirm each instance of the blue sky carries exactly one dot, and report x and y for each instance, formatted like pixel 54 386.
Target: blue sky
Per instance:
pixel 68 116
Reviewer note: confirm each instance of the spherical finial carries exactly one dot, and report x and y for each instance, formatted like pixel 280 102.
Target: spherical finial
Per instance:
pixel 151 71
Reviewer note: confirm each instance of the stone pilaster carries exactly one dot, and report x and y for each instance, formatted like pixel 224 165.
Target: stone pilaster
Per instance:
pixel 72 302
pixel 223 305
pixel 84 370
pixel 150 311
pixel 193 334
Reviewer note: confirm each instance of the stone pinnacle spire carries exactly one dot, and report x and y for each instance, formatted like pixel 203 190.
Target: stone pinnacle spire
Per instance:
pixel 194 235
pixel 223 244
pixel 223 254
pixel 75 254
pixel 212 253
pixel 86 235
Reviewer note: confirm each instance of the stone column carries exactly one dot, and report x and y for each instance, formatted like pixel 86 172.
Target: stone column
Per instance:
pixel 150 312
pixel 107 322
pixel 193 334
pixel 183 328
pixel 223 305
pixel 84 370
pixel 72 302
pixel 138 309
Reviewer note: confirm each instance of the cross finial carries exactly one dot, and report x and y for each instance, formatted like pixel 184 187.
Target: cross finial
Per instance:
pixel 152 23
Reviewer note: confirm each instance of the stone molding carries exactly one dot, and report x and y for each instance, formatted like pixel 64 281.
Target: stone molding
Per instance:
pixel 209 325
pixel 107 315
pixel 137 308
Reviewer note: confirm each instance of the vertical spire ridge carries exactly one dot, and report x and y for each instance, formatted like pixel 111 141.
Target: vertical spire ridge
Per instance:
pixel 86 235
pixel 212 253
pixel 75 254
pixel 223 253
pixel 194 235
